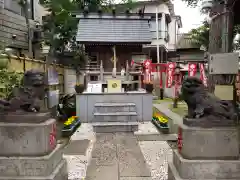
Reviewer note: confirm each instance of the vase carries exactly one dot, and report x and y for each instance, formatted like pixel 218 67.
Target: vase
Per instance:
pixel 79 88
pixel 149 88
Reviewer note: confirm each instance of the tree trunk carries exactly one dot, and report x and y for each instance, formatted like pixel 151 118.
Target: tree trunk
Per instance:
pixel 220 38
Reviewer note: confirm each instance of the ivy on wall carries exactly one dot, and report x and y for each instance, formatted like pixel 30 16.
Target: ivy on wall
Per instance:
pixel 8 79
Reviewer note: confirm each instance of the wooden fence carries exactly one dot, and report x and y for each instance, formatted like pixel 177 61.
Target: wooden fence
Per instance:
pixel 20 64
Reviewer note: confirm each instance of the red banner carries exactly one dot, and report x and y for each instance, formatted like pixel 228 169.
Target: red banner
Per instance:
pixel 148 70
pixel 192 69
pixel 53 136
pixel 203 76
pixel 179 140
pixel 170 73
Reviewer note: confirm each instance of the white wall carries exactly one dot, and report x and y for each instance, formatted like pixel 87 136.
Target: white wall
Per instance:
pixel 172 29
pixel 39 11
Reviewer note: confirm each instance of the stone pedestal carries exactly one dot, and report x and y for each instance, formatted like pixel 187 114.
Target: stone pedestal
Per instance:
pixel 206 154
pixel 29 150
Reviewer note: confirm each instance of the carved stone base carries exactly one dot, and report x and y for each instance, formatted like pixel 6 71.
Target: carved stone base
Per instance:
pixel 27 139
pixel 184 169
pixel 24 117
pixel 38 166
pixel 208 122
pixel 209 143
pixel 206 154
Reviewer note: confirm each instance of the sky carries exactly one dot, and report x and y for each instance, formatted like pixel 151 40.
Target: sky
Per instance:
pixel 191 17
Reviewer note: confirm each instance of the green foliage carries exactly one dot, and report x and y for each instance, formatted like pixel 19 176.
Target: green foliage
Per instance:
pixel 8 81
pixel 200 35
pixel 59 26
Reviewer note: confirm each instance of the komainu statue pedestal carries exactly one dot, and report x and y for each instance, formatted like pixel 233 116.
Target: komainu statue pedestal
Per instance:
pixel 29 149
pixel 206 154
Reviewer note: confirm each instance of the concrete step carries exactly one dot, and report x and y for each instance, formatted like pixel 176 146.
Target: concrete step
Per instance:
pixel 114 107
pixel 115 117
pixel 111 127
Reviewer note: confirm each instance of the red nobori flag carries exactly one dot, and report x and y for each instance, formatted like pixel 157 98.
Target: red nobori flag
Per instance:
pixel 192 69
pixel 170 73
pixel 203 76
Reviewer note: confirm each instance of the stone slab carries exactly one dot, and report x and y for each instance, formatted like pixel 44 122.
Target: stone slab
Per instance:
pixel 206 123
pixel 25 117
pixel 210 143
pixel 147 131
pixel 60 173
pixel 112 127
pixel 173 174
pixel 27 139
pixel 131 160
pixel 97 172
pixel 31 166
pixel 206 169
pixel 77 147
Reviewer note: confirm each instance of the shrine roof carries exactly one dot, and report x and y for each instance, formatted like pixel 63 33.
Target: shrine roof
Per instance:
pixel 108 28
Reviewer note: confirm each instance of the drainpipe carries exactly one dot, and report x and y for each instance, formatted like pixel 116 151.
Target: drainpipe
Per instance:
pixel 158 54
pixel 157 35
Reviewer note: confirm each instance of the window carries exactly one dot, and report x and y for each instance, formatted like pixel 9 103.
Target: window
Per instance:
pixel 13 6
pixel 153 28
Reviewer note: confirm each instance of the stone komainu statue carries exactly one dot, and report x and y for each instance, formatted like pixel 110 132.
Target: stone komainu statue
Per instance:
pixel 204 108
pixel 28 96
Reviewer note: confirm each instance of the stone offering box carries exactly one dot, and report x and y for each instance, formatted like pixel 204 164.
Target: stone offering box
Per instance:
pixel 29 149
pixel 206 154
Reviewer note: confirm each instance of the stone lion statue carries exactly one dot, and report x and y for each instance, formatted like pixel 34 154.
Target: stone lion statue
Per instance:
pixel 204 108
pixel 27 97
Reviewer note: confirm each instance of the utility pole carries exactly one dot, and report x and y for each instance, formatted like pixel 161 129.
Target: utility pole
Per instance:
pixel 25 6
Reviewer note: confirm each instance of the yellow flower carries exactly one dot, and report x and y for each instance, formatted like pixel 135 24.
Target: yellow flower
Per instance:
pixel 70 120
pixel 162 119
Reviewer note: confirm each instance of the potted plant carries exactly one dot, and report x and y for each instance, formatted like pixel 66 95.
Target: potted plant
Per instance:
pixel 70 126
pixel 148 86
pixel 160 122
pixel 79 88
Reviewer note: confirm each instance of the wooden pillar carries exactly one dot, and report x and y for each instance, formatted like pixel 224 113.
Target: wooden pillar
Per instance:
pixel 114 71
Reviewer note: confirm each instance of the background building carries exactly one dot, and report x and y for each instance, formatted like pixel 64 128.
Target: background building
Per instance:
pixel 13 28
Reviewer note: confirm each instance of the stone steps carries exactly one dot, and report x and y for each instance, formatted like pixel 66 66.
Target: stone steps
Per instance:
pixel 114 107
pixel 111 127
pixel 115 117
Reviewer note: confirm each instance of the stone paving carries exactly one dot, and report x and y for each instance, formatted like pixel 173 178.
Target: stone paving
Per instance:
pixel 115 156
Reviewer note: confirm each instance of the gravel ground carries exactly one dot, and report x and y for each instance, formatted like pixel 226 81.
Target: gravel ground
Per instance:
pixel 157 155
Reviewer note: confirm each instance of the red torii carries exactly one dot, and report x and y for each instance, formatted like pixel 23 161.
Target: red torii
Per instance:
pixel 154 67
